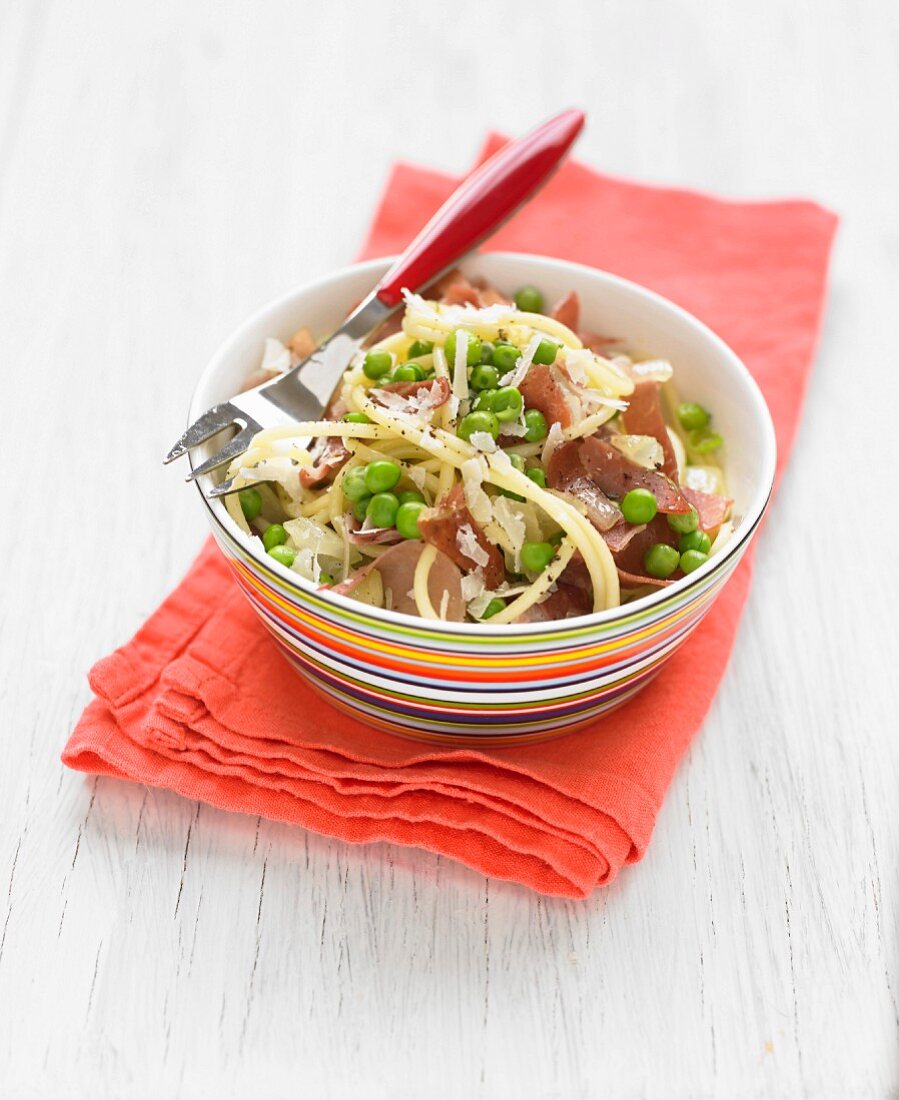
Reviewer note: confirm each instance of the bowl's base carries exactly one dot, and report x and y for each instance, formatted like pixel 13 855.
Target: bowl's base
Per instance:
pixel 473 735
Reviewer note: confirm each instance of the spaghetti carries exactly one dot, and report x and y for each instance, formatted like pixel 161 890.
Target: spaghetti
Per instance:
pixel 537 474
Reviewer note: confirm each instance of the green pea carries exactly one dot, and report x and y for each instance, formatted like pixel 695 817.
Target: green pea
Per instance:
pixel 360 507
pixel 325 578
pixel 381 476
pixel 480 421
pixel 537 475
pixel 535 422
pixel 273 535
pixel 410 496
pixel 505 356
pixel 484 400
pixel 377 364
pixel 682 522
pixel 357 418
pixel 382 509
pixel 518 462
pixel 472 351
pixel 407 372
pixel 419 347
pixel 493 608
pixel 486 352
pixel 283 554
pixel 529 299
pixel 536 556
pixel 546 352
pixel 250 503
pixel 695 540
pixel 639 506
pixel 661 560
pixel 484 377
pixel 703 441
pixel 507 404
pixel 407 518
pixel 692 416
pixel 692 559
pixel 353 484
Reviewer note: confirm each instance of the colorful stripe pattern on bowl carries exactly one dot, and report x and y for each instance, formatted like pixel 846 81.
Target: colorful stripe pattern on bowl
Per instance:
pixel 493 687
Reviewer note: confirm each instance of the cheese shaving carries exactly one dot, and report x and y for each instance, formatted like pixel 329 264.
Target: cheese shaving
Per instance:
pixel 468 544
pixel 553 439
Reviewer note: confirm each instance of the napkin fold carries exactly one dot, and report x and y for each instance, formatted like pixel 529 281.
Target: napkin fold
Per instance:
pixel 200 701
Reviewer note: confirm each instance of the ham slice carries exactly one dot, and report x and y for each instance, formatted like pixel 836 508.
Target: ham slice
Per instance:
pixel 397 568
pixel 566 472
pixel 617 475
pixel 712 509
pixel 329 456
pixel 455 289
pixel 629 560
pixel 359 535
pixel 643 416
pixel 566 601
pixel 568 311
pixel 418 398
pixel 442 526
pixel 549 389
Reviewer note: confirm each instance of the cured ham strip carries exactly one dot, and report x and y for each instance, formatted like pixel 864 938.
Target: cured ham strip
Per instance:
pixel 415 398
pixel 359 535
pixel 566 601
pixel 455 289
pixel 549 389
pixel 566 472
pixel 644 416
pixel 617 475
pixel 397 568
pixel 328 457
pixel 712 509
pixel 568 311
pixel 438 390
pixel 629 560
pixel 445 526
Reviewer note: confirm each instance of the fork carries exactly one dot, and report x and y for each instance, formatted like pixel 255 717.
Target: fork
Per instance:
pixel 475 209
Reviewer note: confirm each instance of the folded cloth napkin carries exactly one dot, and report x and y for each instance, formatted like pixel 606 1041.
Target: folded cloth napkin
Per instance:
pixel 201 702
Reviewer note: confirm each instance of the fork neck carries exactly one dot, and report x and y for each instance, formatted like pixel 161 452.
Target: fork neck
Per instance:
pixel 366 317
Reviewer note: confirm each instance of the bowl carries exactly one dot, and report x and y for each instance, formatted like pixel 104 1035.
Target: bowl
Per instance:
pixel 473 683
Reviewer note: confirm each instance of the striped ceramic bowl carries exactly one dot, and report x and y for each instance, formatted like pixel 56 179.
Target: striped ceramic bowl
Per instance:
pixel 468 682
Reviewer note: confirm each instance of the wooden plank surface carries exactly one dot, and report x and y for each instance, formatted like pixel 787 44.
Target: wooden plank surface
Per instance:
pixel 166 168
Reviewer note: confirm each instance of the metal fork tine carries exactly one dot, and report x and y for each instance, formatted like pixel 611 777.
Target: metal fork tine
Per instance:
pixel 231 450
pixel 222 490
pixel 203 428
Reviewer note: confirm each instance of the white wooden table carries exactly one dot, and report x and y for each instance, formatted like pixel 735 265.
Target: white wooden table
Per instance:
pixel 164 169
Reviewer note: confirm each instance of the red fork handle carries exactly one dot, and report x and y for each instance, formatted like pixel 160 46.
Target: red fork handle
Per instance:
pixel 481 203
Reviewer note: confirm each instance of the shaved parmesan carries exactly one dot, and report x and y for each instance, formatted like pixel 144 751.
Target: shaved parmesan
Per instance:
pixel 275 357
pixel 484 441
pixel 476 499
pixel 468 544
pixel 444 604
pixel 523 365
pixel 306 534
pixel 553 439
pixel 652 370
pixel 705 479
pixel 417 476
pixel 512 524
pixel 472 585
pixel 644 450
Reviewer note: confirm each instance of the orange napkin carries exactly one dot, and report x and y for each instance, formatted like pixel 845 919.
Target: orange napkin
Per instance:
pixel 199 701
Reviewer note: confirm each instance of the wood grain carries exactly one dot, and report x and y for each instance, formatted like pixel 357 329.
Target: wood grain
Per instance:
pixel 166 168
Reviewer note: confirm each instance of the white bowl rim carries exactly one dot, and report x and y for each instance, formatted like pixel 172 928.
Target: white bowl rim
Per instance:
pixel 741 534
